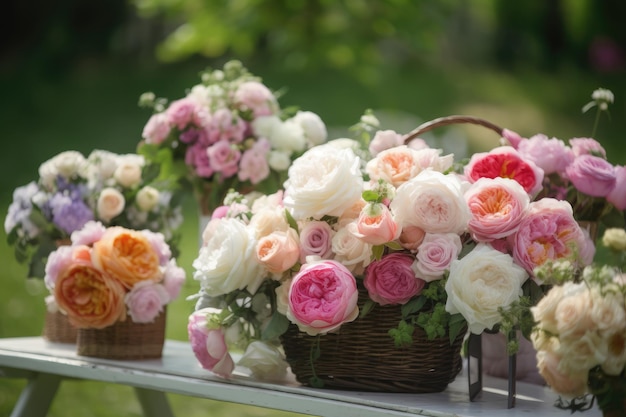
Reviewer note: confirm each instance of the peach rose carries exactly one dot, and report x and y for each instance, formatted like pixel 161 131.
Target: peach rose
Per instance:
pixel 128 256
pixel 278 251
pixel 376 225
pixel 89 297
pixel 573 311
pixel 566 384
pixel 110 204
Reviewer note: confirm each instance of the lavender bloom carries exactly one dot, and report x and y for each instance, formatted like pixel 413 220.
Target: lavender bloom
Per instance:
pixel 20 209
pixel 69 215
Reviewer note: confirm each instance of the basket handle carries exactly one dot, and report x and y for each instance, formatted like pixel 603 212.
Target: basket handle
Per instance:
pixel 449 120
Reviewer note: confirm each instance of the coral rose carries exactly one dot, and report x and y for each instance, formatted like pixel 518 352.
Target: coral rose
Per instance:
pixel 391 279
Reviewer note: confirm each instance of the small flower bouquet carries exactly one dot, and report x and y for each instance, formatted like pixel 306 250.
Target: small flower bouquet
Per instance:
pixel 118 190
pixel 366 271
pixel 113 284
pixel 580 332
pixel 227 132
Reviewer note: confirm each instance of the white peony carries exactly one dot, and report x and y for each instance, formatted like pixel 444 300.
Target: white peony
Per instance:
pixel 227 260
pixel 325 180
pixel 68 164
pixel 279 160
pixel 313 126
pixel 288 136
pixel 481 282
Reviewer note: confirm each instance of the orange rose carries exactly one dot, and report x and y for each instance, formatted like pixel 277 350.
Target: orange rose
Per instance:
pixel 90 299
pixel 127 255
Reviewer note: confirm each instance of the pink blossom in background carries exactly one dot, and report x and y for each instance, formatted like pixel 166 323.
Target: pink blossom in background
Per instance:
pixel 391 280
pixel 435 255
pixel 57 260
pixel 592 175
pixel 208 345
pixel 497 206
pixel 323 296
pixel 157 241
pixel 91 232
pixel 219 212
pixel 617 196
pixel 254 96
pixel 316 240
pixel 196 156
pixel 376 225
pixel 145 301
pixel 505 162
pixel 254 166
pixel 384 139
pixel 550 232
pixel 551 155
pixel 157 129
pixel 417 144
pixel 173 279
pixel 587 146
pixel 224 158
pixel 512 138
pixel 228 126
pixel 181 112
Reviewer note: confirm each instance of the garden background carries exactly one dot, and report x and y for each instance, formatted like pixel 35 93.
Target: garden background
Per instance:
pixel 71 73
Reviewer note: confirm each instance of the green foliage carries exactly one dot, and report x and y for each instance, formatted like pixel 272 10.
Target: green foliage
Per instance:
pixel 403 334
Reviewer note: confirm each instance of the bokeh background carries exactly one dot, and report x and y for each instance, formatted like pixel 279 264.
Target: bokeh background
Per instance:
pixel 71 73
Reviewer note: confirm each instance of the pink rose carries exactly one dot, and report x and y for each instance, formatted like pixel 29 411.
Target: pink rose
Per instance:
pixel 197 157
pixel 435 255
pixel 157 129
pixel 224 158
pixel 173 279
pixel 181 112
pixel 91 232
pixel 505 162
pixel 208 345
pixel 587 146
pixel 592 175
pixel 254 165
pixel 57 260
pixel 254 96
pixel 617 196
pixel 551 155
pixel 549 232
pixel 384 139
pixel 145 301
pixel 227 126
pixel 160 246
pixel 411 237
pixel 391 280
pixel 278 251
pixel 512 138
pixel 220 212
pixel 376 225
pixel 316 239
pixel 323 296
pixel 497 206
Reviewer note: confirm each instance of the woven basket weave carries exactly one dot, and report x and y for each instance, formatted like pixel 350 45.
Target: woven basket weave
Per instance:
pixel 125 340
pixel 362 356
pixel 57 328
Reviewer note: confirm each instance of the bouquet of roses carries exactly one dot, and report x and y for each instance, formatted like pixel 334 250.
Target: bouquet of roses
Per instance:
pixel 227 132
pixel 122 190
pixel 580 332
pixel 112 274
pixel 452 248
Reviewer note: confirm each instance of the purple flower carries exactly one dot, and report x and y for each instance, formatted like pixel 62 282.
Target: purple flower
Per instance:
pixel 592 175
pixel 69 215
pixel 20 209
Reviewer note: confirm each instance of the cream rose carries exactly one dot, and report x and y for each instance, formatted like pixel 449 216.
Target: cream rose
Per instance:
pixel 433 202
pixel 572 313
pixel 110 204
pixel 349 250
pixel 615 238
pixel 265 361
pixel 313 127
pixel 128 173
pixel 227 261
pixel 481 282
pixel 147 198
pixel 564 383
pixel 323 181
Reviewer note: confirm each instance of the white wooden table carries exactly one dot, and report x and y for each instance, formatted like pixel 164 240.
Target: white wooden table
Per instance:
pixel 46 364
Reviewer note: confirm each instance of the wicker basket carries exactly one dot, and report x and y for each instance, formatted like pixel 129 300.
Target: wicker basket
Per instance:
pixel 57 328
pixel 362 356
pixel 124 340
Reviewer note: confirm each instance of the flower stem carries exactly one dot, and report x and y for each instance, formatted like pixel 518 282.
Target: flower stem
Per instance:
pixel 596 122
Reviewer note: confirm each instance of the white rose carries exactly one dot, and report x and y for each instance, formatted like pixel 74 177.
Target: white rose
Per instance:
pixel 264 126
pixel 147 198
pixel 616 354
pixel 433 202
pixel 288 136
pixel 110 204
pixel 267 221
pixel 481 282
pixel 350 251
pixel 127 174
pixel 100 166
pixel 227 260
pixel 313 126
pixel 615 238
pixel 279 160
pixel 572 314
pixel 67 164
pixel 265 361
pixel 607 311
pixel 344 143
pixel 323 181
pixel 544 311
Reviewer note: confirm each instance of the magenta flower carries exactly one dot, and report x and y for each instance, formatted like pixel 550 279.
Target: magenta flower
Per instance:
pixel 391 280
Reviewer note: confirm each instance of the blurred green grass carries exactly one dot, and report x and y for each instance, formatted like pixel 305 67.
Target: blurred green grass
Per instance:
pixel 94 106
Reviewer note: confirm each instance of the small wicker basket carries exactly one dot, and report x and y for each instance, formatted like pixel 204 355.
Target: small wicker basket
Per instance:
pixel 57 328
pixel 362 356
pixel 125 340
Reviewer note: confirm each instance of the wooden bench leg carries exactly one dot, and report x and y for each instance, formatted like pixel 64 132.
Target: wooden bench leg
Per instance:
pixel 36 398
pixel 154 403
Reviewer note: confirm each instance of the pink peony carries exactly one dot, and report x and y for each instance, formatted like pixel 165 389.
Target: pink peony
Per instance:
pixel 91 232
pixel 197 157
pixel 181 113
pixel 549 232
pixel 323 296
pixel 173 279
pixel 157 129
pixel 391 280
pixel 254 164
pixel 435 255
pixel 226 126
pixel 316 240
pixel 145 301
pixel 617 196
pixel 209 345
pixel 256 97
pixel 592 175
pixel 224 158
pixel 505 162
pixel 376 225
pixel 497 206
pixel 551 155
pixel 383 140
pixel 587 146
pixel 511 138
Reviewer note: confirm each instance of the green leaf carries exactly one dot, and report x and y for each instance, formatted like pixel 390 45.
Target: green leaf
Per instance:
pixel 291 221
pixel 413 306
pixel 367 307
pixel 370 196
pixel 456 324
pixel 395 246
pixel 378 251
pixel 402 335
pixel 316 382
pixel 277 325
